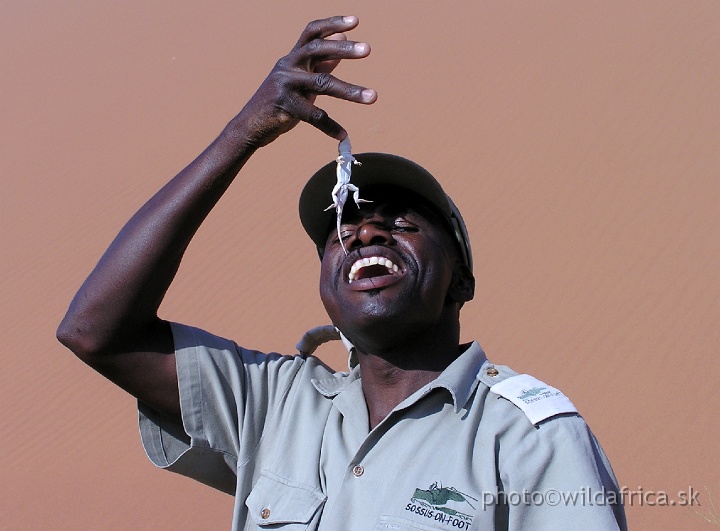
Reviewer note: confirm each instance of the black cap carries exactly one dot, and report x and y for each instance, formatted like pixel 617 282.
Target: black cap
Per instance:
pixel 378 168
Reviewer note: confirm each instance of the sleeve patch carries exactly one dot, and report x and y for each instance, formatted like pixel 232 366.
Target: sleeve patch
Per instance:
pixel 537 400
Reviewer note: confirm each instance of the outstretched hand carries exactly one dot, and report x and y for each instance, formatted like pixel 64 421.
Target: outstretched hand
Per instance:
pixel 287 95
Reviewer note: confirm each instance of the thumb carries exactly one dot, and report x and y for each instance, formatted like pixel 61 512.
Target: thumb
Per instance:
pixel 325 67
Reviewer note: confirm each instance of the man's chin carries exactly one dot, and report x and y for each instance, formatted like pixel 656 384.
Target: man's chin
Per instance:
pixel 377 323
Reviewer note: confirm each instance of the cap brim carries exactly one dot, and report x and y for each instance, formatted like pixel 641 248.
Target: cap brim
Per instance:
pixel 375 168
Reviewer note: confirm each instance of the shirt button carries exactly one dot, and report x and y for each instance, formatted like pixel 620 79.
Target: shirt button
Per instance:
pixel 265 514
pixel 358 471
pixel 492 371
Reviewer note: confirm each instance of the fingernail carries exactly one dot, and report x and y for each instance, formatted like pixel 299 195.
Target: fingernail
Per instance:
pixel 360 47
pixel 368 95
pixel 349 20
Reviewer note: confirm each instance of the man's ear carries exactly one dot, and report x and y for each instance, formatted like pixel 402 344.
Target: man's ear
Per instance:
pixel 462 287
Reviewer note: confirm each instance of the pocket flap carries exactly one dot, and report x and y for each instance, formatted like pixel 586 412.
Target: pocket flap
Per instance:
pixel 277 500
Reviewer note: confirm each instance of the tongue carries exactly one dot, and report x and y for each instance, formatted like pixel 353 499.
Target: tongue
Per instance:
pixel 372 271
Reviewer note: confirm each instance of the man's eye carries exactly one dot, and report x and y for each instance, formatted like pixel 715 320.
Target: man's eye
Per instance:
pixel 346 233
pixel 404 226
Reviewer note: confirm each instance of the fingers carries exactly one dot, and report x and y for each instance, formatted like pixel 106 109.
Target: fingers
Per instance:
pixel 323 44
pixel 328 85
pixel 319 50
pixel 307 112
pixel 297 104
pixel 288 93
pixel 319 29
pixel 330 64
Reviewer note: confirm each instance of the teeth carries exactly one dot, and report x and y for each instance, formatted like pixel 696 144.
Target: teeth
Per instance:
pixel 375 260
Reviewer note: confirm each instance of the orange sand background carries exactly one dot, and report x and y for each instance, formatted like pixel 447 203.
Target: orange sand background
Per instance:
pixel 581 141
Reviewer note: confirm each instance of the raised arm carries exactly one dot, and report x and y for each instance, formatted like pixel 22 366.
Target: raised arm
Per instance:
pixel 112 322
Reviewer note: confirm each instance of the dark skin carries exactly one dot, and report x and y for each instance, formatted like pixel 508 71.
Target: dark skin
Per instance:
pixel 112 323
pixel 405 325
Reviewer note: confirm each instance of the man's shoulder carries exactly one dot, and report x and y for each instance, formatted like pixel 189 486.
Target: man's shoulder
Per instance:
pixel 197 346
pixel 537 400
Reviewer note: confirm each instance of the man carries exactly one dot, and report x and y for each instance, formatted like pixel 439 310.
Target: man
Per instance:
pixel 423 433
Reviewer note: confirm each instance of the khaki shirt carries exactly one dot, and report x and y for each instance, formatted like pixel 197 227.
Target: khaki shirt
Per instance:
pixel 290 439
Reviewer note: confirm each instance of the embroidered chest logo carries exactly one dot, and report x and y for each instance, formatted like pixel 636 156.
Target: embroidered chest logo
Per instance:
pixel 537 393
pixel 445 505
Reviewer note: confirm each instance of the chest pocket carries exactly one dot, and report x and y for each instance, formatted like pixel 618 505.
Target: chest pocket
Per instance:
pixel 282 503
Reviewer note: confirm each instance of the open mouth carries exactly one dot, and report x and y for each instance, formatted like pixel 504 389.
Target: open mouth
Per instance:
pixel 371 267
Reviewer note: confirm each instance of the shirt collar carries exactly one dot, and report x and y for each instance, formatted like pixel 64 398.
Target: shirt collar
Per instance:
pixel 459 378
pixel 331 387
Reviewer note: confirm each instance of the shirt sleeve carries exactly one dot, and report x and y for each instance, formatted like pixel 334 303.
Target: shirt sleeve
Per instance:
pixel 561 479
pixel 227 398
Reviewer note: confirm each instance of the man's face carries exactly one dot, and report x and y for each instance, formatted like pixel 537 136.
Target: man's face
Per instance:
pixel 397 273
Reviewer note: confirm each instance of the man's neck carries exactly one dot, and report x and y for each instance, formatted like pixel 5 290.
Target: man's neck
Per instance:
pixel 389 378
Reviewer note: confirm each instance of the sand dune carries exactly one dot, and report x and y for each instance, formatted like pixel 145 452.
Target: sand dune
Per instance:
pixel 580 141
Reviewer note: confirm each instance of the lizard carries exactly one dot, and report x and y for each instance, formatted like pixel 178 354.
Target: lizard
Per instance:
pixel 343 187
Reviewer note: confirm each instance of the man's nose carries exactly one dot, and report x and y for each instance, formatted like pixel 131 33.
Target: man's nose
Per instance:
pixel 371 232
